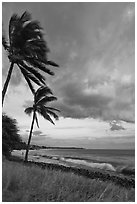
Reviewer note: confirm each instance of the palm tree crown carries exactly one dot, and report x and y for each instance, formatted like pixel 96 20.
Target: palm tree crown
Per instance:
pixel 41 97
pixel 27 49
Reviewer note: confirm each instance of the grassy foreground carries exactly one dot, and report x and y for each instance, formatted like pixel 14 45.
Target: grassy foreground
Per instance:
pixel 22 183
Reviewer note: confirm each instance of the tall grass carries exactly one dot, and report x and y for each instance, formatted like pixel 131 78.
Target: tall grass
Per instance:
pixel 22 183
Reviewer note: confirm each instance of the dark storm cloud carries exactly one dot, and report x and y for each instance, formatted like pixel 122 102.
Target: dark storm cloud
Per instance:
pixel 70 111
pixel 76 103
pixel 74 94
pixel 104 86
pixel 79 101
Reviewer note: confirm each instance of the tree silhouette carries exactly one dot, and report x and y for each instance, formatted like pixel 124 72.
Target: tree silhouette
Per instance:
pixel 27 49
pixel 10 136
pixel 41 98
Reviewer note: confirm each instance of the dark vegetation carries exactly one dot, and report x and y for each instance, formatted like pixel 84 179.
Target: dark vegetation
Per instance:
pixel 10 135
pixel 128 171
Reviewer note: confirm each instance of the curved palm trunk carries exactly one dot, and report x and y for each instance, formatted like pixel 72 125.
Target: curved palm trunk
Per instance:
pixel 30 135
pixel 7 82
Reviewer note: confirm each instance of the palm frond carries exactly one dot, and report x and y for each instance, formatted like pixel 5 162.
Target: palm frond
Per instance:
pixel 16 26
pixel 37 44
pixel 42 111
pixel 41 92
pixel 30 75
pixel 52 114
pixel 12 23
pixel 39 76
pixel 32 26
pixel 53 109
pixel 40 65
pixel 52 63
pixel 29 110
pixel 31 31
pixel 49 119
pixel 46 100
pixel 31 34
pixel 26 16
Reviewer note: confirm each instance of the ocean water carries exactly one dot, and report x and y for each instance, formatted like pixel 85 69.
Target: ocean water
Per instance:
pixel 90 152
pixel 115 157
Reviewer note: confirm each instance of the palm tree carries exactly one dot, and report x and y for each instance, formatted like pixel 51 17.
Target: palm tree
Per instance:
pixel 27 49
pixel 41 97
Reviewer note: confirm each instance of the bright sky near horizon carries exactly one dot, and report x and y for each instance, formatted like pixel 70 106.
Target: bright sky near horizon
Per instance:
pixel 94 44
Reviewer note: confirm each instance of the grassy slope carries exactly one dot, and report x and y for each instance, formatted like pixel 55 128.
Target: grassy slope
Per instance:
pixel 31 184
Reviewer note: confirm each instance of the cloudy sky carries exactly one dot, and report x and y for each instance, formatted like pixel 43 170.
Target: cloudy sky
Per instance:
pixel 94 44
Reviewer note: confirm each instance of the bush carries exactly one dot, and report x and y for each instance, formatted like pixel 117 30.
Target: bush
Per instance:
pixel 5 149
pixel 10 136
pixel 128 171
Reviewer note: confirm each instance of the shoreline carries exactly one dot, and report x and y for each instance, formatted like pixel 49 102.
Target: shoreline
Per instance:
pixel 92 162
pixel 65 160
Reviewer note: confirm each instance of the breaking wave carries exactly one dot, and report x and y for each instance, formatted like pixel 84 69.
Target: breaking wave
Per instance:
pixel 104 166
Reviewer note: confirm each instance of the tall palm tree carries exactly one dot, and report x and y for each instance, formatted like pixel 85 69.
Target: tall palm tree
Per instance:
pixel 41 97
pixel 27 49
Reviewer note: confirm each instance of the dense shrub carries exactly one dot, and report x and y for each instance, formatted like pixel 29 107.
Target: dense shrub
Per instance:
pixel 10 136
pixel 128 171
